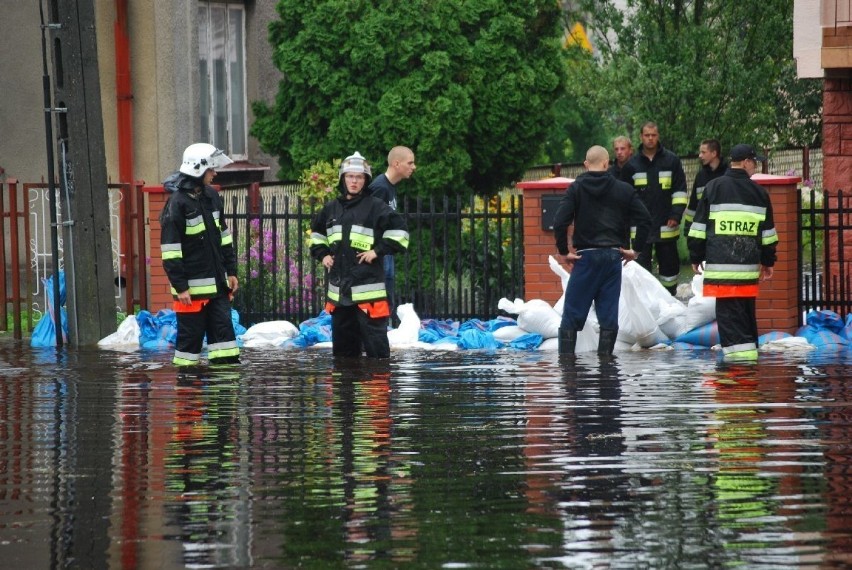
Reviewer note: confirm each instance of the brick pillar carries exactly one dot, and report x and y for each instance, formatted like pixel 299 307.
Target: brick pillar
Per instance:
pixel 778 301
pixel 837 162
pixel 159 289
pixel 539 280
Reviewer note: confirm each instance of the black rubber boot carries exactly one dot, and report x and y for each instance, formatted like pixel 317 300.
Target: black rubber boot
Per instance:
pixel 567 341
pixel 606 342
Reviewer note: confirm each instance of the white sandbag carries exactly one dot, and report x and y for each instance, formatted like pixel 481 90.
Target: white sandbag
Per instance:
pixel 126 337
pixel 564 276
pixel 790 343
pixel 511 307
pixel 538 317
pixel 269 333
pixel 672 320
pixel 408 332
pixel 587 339
pixel 508 333
pixel 699 312
pixel 549 345
pixel 650 292
pixel 635 321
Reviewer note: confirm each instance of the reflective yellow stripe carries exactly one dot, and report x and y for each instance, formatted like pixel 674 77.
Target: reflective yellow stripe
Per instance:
pixel 769 237
pixel 318 239
pixel 369 292
pixel 361 238
pixel 698 230
pixel 336 234
pixel 399 236
pixel 171 251
pixel 679 198
pixel 640 179
pixel 333 293
pixel 185 358
pixel 668 233
pixel 665 178
pixel 732 272
pixel 194 226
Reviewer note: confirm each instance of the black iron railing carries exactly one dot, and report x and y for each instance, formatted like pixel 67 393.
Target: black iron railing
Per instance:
pixel 463 257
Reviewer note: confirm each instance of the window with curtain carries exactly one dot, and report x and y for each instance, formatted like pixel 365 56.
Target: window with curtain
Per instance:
pixel 221 54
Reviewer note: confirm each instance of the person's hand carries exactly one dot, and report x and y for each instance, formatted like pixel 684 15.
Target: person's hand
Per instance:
pixel 184 298
pixel 327 261
pixel 569 260
pixel 627 254
pixel 766 273
pixel 672 223
pixel 367 256
pixel 233 283
pixel 696 267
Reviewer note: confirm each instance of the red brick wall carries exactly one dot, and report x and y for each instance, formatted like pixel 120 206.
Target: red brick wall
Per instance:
pixel 837 159
pixel 778 301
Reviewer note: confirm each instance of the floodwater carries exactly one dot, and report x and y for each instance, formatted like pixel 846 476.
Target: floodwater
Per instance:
pixel 431 460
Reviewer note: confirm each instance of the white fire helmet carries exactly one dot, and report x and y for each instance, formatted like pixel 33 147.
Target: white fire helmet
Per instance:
pixel 355 163
pixel 198 158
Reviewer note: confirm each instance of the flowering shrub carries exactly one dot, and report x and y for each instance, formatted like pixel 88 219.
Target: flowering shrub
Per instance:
pixel 319 181
pixel 263 267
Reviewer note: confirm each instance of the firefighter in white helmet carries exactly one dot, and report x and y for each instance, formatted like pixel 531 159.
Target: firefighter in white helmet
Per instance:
pixel 199 259
pixel 350 236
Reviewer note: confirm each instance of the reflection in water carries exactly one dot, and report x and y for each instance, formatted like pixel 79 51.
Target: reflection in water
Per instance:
pixel 508 460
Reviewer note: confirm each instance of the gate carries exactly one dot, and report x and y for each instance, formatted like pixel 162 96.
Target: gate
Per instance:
pixel 825 272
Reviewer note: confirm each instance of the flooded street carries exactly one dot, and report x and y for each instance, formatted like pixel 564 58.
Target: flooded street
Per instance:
pixel 432 460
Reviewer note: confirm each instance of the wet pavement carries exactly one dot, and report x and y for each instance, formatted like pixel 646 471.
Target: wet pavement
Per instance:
pixel 432 460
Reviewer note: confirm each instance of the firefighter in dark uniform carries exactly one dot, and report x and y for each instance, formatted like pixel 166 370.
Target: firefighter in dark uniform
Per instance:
pixel 199 259
pixel 733 233
pixel 350 236
pixel 657 174
pixel 712 166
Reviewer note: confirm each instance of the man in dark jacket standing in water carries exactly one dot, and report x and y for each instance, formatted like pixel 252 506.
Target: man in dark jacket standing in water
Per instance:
pixel 602 210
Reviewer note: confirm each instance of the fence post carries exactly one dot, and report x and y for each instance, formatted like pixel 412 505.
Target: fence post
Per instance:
pixel 778 301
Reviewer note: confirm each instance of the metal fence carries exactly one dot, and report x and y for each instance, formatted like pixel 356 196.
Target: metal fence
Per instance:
pixel 825 222
pixel 464 256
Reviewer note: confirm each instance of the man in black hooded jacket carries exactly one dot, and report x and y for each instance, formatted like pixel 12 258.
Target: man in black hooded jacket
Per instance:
pixel 603 210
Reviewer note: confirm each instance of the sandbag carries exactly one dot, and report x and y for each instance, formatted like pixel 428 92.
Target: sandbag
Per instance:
pixel 706 336
pixel 408 331
pixel 269 333
pixel 126 337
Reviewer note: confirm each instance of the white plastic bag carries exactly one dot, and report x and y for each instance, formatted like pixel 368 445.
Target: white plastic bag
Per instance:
pixel 408 332
pixel 269 333
pixel 126 337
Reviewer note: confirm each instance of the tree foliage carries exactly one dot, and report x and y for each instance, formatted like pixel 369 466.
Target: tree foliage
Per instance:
pixel 469 86
pixel 699 69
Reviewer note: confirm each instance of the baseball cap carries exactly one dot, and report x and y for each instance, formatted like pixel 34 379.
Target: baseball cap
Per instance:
pixel 743 151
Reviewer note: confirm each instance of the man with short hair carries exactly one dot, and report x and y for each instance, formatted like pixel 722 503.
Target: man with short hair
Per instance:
pixel 734 234
pixel 602 209
pixel 712 166
pixel 623 149
pixel 400 167
pixel 657 174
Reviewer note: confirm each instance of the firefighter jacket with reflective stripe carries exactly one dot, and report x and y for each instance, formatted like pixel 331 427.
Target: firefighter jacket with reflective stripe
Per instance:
pixel 345 228
pixel 704 175
pixel 734 233
pixel 197 246
pixel 661 184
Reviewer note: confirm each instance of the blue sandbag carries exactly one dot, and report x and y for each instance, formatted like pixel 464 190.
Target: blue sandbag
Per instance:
pixel 473 338
pixel 239 329
pixel 529 341
pixel 44 333
pixel 772 335
pixel 687 346
pixel 847 328
pixel 821 338
pixel 825 320
pixel 705 335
